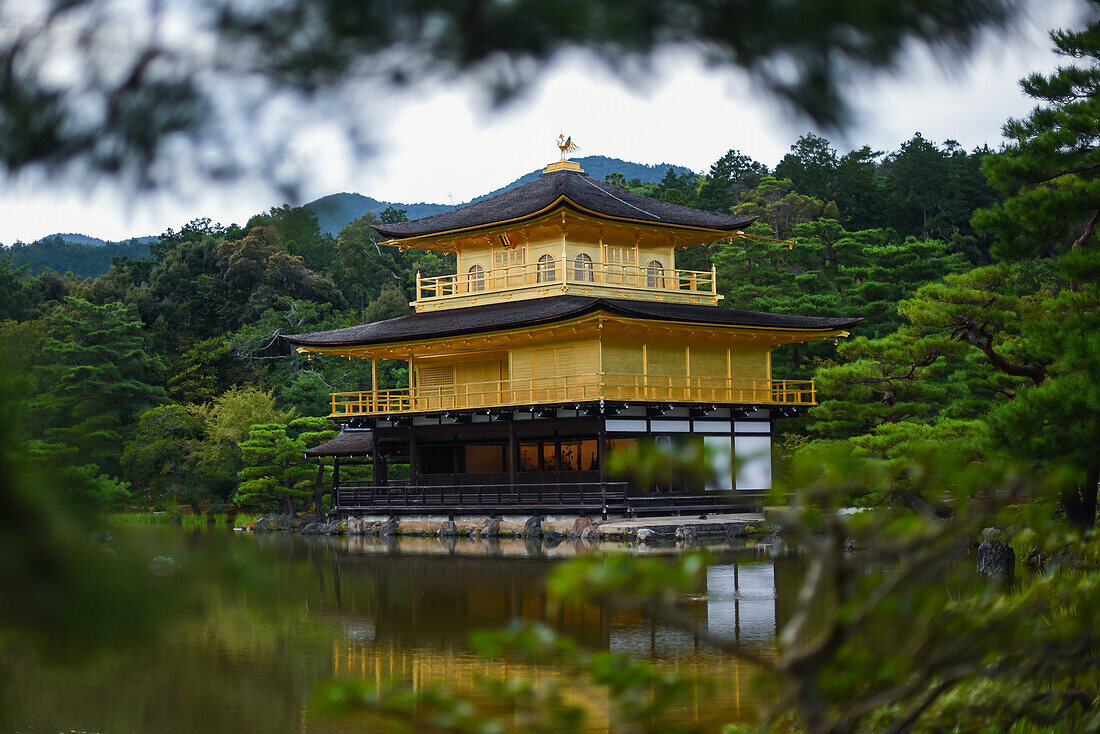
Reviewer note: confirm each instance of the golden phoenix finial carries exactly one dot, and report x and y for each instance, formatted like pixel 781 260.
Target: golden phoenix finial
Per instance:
pixel 566 146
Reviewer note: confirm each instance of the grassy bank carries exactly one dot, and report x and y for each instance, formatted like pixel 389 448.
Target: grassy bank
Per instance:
pixel 145 519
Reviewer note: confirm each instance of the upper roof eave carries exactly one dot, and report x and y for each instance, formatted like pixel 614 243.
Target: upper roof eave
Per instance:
pixel 564 188
pixel 561 202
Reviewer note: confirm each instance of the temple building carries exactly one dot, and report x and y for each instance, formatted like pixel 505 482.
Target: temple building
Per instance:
pixel 567 333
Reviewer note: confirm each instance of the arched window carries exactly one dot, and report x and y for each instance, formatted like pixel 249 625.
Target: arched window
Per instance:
pixel 477 278
pixel 547 270
pixel 582 269
pixel 653 274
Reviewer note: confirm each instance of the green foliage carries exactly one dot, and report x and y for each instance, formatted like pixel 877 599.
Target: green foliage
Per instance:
pixel 161 458
pixel 827 271
pixel 257 269
pixel 16 294
pixel 60 592
pixel 1049 168
pixel 730 177
pixel 238 409
pixel 307 393
pixel 275 471
pixel 921 190
pixel 80 259
pixel 369 268
pixel 203 370
pixel 86 487
pixel 779 206
pixel 95 379
pixel 1002 357
pixel 300 233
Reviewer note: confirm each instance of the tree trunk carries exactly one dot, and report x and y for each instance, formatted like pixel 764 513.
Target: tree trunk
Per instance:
pixel 1079 503
pixel 288 506
pixel 319 490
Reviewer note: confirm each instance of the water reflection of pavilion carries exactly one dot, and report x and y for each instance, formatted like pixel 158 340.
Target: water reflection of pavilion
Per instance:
pixel 409 615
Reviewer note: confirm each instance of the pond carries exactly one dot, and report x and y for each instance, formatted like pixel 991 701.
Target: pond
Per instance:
pixel 261 620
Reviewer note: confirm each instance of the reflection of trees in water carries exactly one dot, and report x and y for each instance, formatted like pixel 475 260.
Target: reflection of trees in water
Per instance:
pixel 442 592
pixel 425 605
pixel 242 655
pixel 274 615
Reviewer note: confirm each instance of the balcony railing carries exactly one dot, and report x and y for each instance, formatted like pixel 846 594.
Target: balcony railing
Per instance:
pixel 579 272
pixel 578 388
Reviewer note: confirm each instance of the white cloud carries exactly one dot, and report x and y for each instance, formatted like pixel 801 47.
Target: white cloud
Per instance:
pixel 440 143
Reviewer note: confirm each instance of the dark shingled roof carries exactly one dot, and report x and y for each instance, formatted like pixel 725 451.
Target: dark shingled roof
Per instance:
pixel 345 443
pixel 535 196
pixel 535 311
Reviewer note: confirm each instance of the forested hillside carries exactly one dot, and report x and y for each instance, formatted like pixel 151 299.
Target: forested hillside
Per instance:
pixel 337 210
pixel 85 257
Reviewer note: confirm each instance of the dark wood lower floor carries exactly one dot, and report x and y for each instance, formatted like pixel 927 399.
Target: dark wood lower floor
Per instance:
pixel 604 499
pixel 556 462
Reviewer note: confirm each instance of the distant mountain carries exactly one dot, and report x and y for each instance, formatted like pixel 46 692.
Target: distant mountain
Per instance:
pixel 83 239
pixel 336 210
pixel 84 257
pixel 598 167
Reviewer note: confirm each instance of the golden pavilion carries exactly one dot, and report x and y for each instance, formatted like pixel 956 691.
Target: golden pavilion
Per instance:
pixel 566 333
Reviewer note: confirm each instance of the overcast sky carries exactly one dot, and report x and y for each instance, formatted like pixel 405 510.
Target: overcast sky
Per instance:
pixel 442 144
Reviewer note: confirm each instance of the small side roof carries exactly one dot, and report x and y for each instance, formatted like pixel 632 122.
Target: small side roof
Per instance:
pixel 349 442
pixel 535 311
pixel 570 189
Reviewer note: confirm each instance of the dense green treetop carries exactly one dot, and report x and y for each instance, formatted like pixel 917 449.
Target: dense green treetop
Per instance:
pixel 275 471
pixel 1050 168
pixel 95 379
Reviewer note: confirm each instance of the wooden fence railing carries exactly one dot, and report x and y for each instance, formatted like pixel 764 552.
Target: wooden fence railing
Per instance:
pixel 575 388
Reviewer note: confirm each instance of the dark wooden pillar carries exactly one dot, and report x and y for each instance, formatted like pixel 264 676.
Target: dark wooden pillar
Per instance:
pixel 335 482
pixel 413 473
pixel 601 459
pixel 377 474
pixel 513 454
pixel 601 449
pixel 319 488
pixel 455 448
pixel 557 459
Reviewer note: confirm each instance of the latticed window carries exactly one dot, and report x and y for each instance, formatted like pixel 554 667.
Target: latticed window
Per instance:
pixel 547 269
pixel 582 269
pixel 477 278
pixel 653 274
pixel 622 265
pixel 507 258
pixel 435 379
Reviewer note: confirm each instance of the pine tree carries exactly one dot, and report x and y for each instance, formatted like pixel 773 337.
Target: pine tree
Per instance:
pixel 275 471
pixel 1050 172
pixel 95 379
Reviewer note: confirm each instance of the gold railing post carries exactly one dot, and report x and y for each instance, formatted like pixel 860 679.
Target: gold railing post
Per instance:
pixel 713 278
pixel 418 285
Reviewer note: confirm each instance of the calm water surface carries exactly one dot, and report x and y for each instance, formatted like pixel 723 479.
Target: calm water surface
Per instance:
pixel 266 618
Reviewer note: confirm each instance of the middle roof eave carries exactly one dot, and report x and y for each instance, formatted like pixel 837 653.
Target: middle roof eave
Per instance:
pixel 497 317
